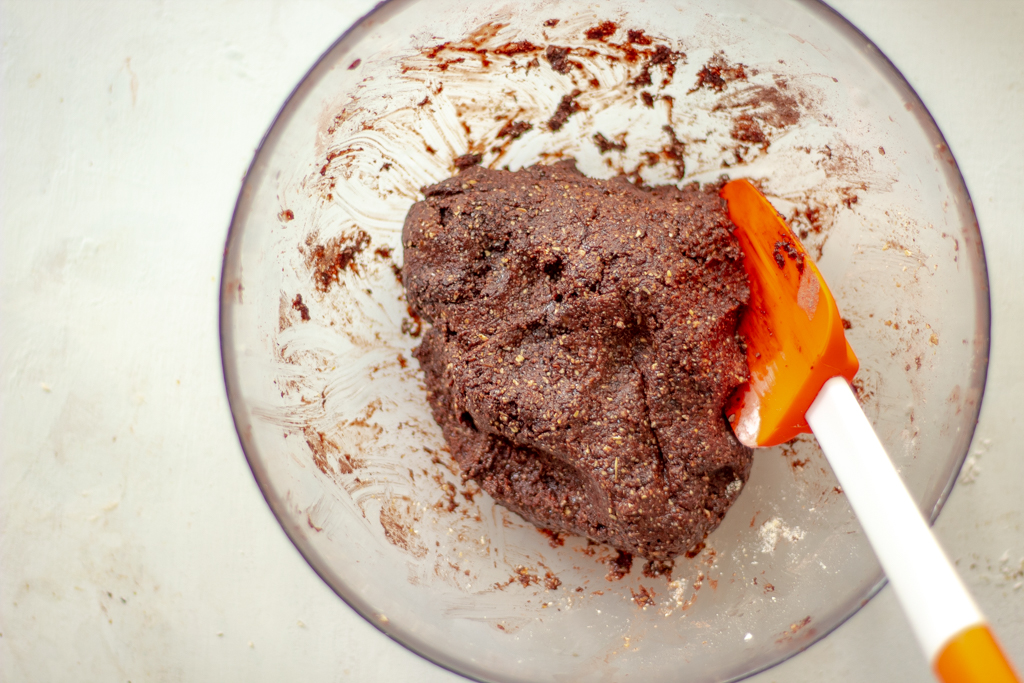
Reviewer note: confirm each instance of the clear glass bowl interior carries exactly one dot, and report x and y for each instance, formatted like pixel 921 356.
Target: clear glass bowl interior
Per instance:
pixel 331 409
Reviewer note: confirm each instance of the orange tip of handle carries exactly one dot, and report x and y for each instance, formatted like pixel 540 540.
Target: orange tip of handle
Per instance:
pixel 974 656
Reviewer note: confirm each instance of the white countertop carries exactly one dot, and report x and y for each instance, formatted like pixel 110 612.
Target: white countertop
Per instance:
pixel 134 543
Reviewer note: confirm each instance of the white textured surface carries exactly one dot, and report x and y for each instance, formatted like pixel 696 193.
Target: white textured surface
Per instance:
pixel 134 544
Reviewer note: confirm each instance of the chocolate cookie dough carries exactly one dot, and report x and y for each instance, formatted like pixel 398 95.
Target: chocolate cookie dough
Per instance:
pixel 583 343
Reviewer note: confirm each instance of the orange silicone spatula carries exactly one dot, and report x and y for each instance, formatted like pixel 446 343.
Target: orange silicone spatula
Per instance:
pixel 800 368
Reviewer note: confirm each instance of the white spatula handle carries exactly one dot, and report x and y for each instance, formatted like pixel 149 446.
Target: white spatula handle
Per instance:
pixel 934 599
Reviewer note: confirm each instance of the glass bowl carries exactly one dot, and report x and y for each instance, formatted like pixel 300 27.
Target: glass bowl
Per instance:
pixel 317 339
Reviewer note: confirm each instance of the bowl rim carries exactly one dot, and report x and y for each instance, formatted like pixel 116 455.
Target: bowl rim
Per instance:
pixel 416 645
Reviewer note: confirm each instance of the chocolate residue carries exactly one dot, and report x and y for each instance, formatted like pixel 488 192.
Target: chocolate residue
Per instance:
pixel 443 66
pixel 555 539
pixel 566 108
pixel 619 566
pixel 643 597
pixel 794 629
pixel 717 73
pixel 347 464
pixel 665 56
pixel 514 129
pixel 320 446
pixel 811 214
pixel 606 145
pixel 638 37
pixel 768 105
pixel 327 261
pixel 467 160
pixel 525 578
pixel 383 251
pixel 602 31
pixel 355 64
pixel 674 152
pixel 784 248
pixel 398 532
pixel 469 494
pixel 861 390
pixel 447 503
pixel 644 79
pixel 558 57
pixel 746 129
pixel 434 51
pixel 413 327
pixel 661 56
pixel 516 48
pixel 551 23
pixel 302 308
pixel 286 216
pixel 655 568
pixel 695 551
pixel 647 98
pixel 347 153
